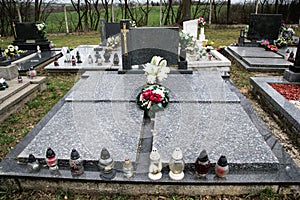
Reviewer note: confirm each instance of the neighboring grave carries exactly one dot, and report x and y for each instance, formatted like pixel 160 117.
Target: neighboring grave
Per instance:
pixel 262 26
pixel 27 37
pixel 191 27
pixel 258 59
pixel 293 73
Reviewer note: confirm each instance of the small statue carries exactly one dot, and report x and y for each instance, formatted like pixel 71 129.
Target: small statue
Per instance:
pixel 106 56
pixel 76 164
pixel 202 164
pixel 106 164
pixel 99 60
pixel 90 59
pixel 78 57
pixel 68 56
pixel 116 59
pixel 51 160
pixel 38 48
pixel 155 165
pixel 222 168
pixel 97 55
pixel 33 164
pixel 127 168
pixel 56 63
pixel 73 61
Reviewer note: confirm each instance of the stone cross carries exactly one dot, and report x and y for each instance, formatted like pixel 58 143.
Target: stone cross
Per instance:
pixel 125 31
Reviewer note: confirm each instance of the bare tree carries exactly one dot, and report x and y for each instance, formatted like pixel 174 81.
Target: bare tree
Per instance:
pixel 76 6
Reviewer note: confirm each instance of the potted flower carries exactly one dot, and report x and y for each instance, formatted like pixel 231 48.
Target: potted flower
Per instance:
pixel 185 40
pixel 41 28
pixel 200 32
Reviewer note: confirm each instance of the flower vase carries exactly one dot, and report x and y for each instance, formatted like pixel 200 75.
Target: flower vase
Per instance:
pixel 182 55
pixel 202 35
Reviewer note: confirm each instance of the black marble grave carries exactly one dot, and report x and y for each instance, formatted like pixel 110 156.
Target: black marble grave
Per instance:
pixel 261 26
pixel 27 37
pixel 293 73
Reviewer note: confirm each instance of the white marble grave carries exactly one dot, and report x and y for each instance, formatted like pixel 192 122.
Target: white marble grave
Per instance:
pixel 191 27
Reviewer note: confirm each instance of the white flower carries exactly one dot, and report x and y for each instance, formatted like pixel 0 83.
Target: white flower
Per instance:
pixel 161 76
pixel 160 92
pixel 11 48
pixel 151 79
pixel 2 80
pixel 165 70
pixel 163 63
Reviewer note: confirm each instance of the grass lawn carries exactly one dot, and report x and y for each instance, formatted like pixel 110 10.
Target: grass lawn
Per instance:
pixel 20 123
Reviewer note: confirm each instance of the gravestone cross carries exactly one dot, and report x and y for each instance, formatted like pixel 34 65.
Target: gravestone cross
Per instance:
pixel 124 32
pixel 102 32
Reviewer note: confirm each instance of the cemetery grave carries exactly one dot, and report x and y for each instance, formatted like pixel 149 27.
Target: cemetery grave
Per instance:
pixel 252 51
pixel 99 118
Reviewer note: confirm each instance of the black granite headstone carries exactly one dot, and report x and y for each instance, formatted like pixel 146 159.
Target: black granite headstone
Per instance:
pixel 264 26
pixel 111 29
pixel 144 43
pixel 27 37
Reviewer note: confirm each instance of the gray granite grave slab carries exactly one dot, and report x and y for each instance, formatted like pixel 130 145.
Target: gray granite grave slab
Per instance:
pixel 221 129
pixel 267 62
pixel 257 52
pixel 89 127
pixel 110 86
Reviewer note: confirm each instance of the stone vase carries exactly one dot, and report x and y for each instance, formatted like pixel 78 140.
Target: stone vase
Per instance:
pixel 202 35
pixel 182 55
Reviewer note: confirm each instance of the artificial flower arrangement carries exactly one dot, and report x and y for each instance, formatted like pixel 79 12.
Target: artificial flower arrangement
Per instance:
pixel 285 36
pixel 154 97
pixel 185 39
pixel 132 24
pixel 11 51
pixel 3 84
pixel 201 22
pixel 113 42
pixel 266 44
pixel 41 28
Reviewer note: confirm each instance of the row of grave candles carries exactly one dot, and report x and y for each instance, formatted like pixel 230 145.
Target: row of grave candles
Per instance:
pixel 98 59
pixel 107 171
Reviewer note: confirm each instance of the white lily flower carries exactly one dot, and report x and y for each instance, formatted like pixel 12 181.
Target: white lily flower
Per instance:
pixel 151 79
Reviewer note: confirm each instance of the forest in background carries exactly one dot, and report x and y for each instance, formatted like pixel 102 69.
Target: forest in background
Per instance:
pixel 84 15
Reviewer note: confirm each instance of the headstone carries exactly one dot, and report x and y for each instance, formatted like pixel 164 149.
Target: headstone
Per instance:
pixel 27 37
pixel 139 45
pixel 191 27
pixel 9 72
pixel 111 29
pixel 264 26
pixel 293 73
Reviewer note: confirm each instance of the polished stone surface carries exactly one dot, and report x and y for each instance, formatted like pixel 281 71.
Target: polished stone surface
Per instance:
pixel 267 62
pixel 257 52
pixel 205 86
pixel 221 129
pixel 89 127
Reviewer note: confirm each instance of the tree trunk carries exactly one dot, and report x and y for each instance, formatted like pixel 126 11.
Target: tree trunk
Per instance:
pixel 228 11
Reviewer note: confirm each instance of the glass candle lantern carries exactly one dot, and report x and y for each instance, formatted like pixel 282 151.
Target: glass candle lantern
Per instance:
pixel 127 168
pixel 33 164
pixel 106 164
pixel 222 167
pixel 76 163
pixel 155 166
pixel 51 160
pixel 176 165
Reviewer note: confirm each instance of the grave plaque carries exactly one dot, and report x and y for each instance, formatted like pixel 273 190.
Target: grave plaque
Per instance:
pixel 264 26
pixel 139 45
